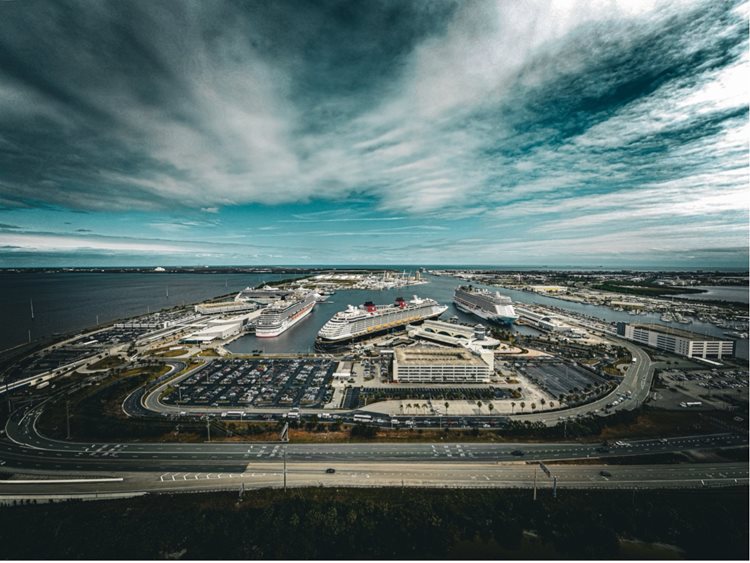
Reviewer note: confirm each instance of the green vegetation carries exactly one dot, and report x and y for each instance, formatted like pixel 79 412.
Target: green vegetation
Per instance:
pixel 107 363
pixel 169 352
pixel 645 289
pixel 319 523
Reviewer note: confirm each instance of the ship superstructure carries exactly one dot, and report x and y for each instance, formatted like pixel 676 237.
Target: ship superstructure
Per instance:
pixel 370 319
pixel 488 305
pixel 283 314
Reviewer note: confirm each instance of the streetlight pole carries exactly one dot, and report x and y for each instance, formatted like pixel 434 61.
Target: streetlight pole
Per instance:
pixel 67 419
pixel 208 427
pixel 285 469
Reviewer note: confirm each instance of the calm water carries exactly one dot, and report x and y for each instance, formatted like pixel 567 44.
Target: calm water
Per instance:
pixel 719 293
pixel 68 302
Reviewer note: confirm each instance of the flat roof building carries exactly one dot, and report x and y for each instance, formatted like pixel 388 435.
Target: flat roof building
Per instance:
pixel 439 365
pixel 677 341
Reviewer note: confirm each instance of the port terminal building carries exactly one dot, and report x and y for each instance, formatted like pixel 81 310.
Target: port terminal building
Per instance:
pixel 453 334
pixel 440 365
pixel 548 323
pixel 677 341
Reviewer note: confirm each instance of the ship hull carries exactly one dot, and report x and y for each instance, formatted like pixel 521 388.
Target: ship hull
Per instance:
pixel 486 315
pixel 324 344
pixel 274 332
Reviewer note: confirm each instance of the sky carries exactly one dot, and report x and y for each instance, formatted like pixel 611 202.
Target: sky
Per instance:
pixel 588 133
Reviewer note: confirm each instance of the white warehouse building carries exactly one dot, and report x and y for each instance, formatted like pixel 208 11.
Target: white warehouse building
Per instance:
pixel 439 365
pixel 682 342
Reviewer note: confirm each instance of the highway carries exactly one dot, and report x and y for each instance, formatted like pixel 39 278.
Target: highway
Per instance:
pixel 26 448
pixel 160 467
pixel 468 475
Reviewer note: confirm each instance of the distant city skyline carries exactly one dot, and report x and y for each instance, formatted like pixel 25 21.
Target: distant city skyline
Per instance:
pixel 581 133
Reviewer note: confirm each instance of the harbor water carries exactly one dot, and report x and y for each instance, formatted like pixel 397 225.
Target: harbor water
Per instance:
pixel 301 337
pixel 66 302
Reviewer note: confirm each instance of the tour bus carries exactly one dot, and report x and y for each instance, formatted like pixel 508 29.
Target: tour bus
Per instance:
pixel 362 418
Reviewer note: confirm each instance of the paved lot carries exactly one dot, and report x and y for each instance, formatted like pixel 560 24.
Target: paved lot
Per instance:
pixel 257 383
pixel 558 378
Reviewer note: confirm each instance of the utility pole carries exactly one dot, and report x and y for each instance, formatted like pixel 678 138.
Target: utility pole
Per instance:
pixel 67 419
pixel 535 483
pixel 285 469
pixel 208 427
pixel 31 303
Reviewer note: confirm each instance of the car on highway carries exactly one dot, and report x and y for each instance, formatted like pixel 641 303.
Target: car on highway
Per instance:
pixel 605 473
pixel 517 453
pixel 330 470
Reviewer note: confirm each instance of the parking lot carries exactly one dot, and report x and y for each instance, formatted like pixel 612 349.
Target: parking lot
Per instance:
pixel 257 383
pixel 718 388
pixel 558 378
pixel 718 380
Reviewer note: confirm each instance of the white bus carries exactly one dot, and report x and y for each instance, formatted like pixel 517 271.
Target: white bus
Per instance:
pixel 362 418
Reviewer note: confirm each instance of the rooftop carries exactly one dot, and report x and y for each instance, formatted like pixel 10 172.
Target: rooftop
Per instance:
pixel 421 356
pixel 678 332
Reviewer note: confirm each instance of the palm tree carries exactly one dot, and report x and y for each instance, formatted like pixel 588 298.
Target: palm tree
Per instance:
pixel 533 406
pixel 447 404
pixel 491 407
pixel 523 406
pixel 551 404
pixel 408 405
pixel 543 401
pixel 512 407
pixel 479 404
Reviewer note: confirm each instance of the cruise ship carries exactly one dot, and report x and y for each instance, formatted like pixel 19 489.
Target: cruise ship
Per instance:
pixel 485 304
pixel 370 319
pixel 283 314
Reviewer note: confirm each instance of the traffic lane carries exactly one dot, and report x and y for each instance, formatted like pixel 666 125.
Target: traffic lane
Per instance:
pixel 482 475
pixel 275 448
pixel 158 460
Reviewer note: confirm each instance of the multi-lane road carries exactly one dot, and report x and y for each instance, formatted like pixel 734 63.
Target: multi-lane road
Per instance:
pixel 26 448
pixel 144 467
pixel 379 474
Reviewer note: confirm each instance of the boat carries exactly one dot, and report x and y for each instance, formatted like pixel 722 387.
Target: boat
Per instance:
pixel 488 305
pixel 369 320
pixel 280 316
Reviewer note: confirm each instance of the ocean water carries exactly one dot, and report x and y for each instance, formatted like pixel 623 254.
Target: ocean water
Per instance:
pixel 67 302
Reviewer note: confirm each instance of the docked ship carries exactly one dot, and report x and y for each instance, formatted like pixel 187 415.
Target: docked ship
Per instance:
pixel 485 304
pixel 370 320
pixel 283 314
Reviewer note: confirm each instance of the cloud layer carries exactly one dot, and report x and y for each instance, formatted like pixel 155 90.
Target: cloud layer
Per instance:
pixel 532 129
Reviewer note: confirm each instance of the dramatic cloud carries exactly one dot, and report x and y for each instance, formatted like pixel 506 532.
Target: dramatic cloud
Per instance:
pixel 536 130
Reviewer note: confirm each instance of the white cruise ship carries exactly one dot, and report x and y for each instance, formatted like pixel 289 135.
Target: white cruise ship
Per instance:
pixel 370 319
pixel 485 304
pixel 284 314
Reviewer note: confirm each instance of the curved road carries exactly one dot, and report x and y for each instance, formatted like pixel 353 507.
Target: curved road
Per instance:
pixel 27 449
pixel 636 381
